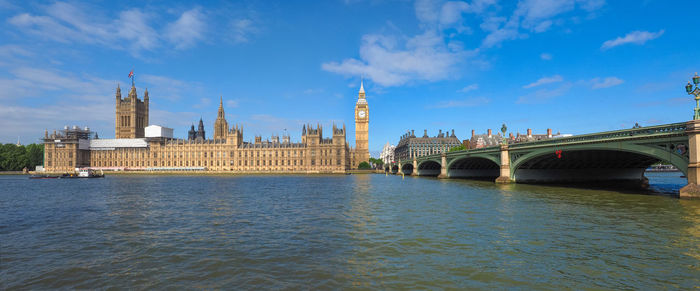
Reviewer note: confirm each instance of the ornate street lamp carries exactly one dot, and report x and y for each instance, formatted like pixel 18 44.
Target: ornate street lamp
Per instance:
pixel 503 130
pixel 695 92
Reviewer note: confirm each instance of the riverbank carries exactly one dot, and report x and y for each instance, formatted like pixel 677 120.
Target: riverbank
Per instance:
pixel 12 173
pixel 216 173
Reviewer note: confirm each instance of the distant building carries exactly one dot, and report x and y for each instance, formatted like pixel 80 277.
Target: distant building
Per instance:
pixel 490 140
pixel 131 114
pixel 535 137
pixel 484 140
pixel 158 131
pixel 198 134
pixel 387 155
pixel 137 147
pixel 410 146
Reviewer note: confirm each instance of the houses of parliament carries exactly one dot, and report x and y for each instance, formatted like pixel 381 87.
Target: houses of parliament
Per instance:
pixel 137 147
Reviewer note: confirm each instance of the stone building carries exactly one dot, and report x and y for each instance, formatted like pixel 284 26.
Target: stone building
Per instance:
pixel 67 149
pixel 227 151
pixel 131 114
pixel 484 140
pixel 361 150
pixel 198 134
pixel 410 146
pixel 387 155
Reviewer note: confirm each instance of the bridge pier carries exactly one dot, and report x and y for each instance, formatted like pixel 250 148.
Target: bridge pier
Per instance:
pixel 505 166
pixel 692 190
pixel 415 168
pixel 443 167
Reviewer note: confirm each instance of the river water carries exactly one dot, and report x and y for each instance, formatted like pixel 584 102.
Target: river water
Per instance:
pixel 338 232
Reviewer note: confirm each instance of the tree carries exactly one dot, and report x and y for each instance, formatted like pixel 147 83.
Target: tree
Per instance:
pixel 14 158
pixel 457 148
pixel 364 166
pixel 376 162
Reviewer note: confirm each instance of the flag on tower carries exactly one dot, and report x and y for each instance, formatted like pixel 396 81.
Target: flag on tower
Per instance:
pixel 131 74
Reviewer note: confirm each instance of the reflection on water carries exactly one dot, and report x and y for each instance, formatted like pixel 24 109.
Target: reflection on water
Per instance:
pixel 334 232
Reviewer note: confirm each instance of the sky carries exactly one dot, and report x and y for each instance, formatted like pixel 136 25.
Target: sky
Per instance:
pixel 576 66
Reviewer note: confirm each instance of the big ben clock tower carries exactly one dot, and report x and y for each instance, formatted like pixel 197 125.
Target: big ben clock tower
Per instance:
pixel 361 128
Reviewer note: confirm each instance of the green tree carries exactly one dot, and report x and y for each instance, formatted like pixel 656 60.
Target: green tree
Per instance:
pixel 364 166
pixel 15 158
pixel 377 162
pixel 457 148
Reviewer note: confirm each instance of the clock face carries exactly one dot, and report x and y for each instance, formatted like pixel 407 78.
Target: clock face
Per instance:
pixel 361 114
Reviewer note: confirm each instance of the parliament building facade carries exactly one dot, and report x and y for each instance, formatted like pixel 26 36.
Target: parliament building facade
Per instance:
pixel 137 147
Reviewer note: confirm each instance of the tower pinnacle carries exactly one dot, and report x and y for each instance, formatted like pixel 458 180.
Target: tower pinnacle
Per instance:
pixel 362 86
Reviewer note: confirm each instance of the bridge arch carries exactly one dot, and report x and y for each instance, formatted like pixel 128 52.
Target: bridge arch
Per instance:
pixel 394 169
pixel 592 163
pixel 407 169
pixel 429 168
pixel 476 166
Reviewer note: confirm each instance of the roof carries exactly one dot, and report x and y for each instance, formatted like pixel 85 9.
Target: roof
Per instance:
pixel 118 143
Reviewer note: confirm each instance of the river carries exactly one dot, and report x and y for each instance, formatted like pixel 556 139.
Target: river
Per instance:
pixel 338 232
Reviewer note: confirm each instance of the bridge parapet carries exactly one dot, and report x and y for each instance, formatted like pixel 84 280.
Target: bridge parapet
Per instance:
pixel 666 129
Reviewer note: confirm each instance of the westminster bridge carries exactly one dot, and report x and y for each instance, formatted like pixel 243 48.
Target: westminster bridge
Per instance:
pixel 619 156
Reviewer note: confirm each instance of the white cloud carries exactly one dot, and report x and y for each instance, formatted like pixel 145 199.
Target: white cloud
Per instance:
pixel 543 95
pixel 545 56
pixel 469 88
pixel 608 82
pixel 545 80
pixel 390 61
pixel 469 102
pixel 431 55
pixel 241 30
pixel 532 15
pixel 134 29
pixel 635 37
pixel 232 103
pixel 187 30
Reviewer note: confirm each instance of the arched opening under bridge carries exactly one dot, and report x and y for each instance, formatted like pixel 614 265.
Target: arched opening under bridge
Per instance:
pixel 407 169
pixel 474 168
pixel 610 167
pixel 429 168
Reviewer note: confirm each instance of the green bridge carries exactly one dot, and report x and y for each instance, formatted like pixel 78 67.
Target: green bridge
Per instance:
pixel 620 156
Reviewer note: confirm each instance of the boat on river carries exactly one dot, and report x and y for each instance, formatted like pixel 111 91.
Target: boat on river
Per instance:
pixel 84 173
pixel 78 174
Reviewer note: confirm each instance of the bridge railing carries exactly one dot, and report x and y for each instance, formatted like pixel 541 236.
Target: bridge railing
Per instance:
pixel 673 128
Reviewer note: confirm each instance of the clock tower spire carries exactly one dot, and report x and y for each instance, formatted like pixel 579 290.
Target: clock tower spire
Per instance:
pixel 361 128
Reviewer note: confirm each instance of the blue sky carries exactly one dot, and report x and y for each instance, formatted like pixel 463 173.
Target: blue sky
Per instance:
pixel 576 66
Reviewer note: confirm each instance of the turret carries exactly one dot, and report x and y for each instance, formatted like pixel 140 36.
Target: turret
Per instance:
pixel 200 130
pixel 119 93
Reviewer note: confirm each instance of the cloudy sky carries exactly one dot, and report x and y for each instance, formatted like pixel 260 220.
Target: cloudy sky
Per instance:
pixel 577 66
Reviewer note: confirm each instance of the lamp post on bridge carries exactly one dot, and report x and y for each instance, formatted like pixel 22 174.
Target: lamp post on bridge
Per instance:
pixel 695 92
pixel 692 190
pixel 504 128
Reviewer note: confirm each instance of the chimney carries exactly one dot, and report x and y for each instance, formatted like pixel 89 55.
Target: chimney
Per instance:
pixel 472 133
pixel 425 133
pixel 489 132
pixel 413 132
pixel 439 132
pixel 549 132
pixel 529 132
